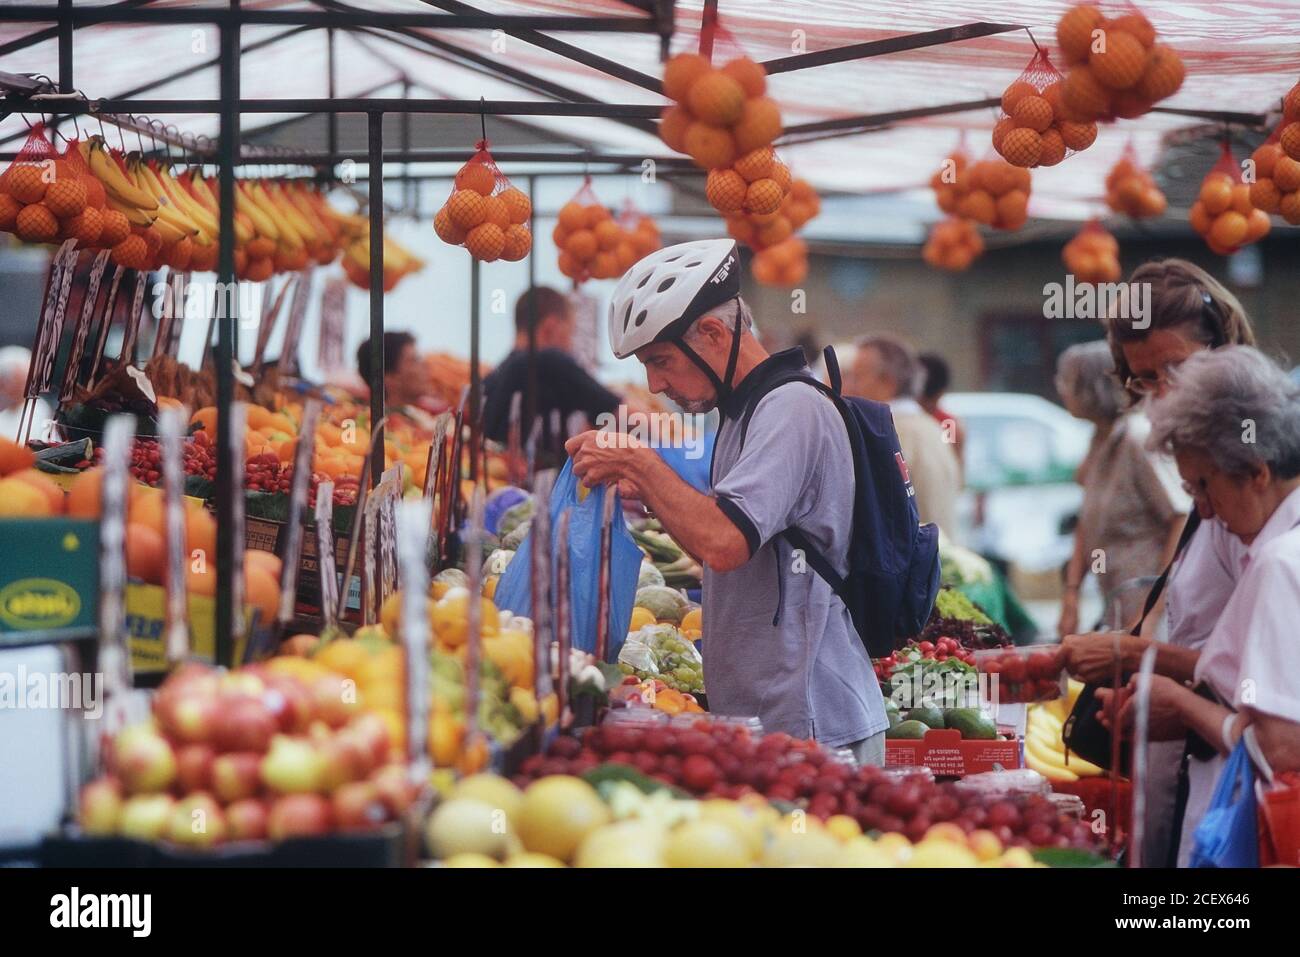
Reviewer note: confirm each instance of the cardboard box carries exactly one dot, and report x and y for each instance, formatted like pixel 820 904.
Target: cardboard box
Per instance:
pixel 49 574
pixel 265 534
pixel 146 607
pixel 948 754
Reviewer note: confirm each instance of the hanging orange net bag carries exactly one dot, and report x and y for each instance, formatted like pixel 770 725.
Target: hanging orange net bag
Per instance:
pixel 485 213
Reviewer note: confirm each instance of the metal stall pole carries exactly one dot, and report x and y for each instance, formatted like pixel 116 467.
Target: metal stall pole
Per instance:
pixel 375 142
pixel 65 47
pixel 530 393
pixel 475 379
pixel 331 81
pixel 227 329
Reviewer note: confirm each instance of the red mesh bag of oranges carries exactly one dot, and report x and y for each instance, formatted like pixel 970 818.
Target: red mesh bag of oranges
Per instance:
pixel 1033 129
pixel 640 229
pixel 1289 132
pixel 944 180
pixel 42 196
pixel 1276 175
pixel 591 242
pixel 1092 255
pixel 952 244
pixel 781 264
pixel 990 191
pixel 484 213
pixel 1118 69
pixel 1223 212
pixel 1131 190
pixel 720 113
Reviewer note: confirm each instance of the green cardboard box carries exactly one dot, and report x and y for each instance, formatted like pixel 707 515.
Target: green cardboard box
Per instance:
pixel 49 574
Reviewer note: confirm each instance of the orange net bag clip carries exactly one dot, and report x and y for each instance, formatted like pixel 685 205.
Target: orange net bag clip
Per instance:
pixel 484 212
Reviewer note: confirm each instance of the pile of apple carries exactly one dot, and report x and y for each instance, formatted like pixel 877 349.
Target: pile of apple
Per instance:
pixel 1024 674
pixel 247 755
pixel 713 759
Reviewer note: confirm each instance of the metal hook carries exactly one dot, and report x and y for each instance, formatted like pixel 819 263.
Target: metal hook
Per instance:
pixel 1032 40
pixel 482 120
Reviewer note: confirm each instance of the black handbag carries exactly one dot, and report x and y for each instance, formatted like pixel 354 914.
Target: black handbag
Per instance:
pixel 1084 734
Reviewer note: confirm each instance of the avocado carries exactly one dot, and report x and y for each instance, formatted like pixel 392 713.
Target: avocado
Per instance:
pixel 891 712
pixel 931 717
pixel 972 723
pixel 909 730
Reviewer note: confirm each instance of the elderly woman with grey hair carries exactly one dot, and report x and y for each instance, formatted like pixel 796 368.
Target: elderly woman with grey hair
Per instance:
pixel 1232 422
pixel 1133 507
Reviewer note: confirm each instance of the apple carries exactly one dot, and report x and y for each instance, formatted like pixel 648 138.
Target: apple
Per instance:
pixel 335 699
pixel 194 767
pixel 299 815
pixel 344 760
pixel 372 731
pixel 357 806
pixel 237 775
pixel 245 724
pixel 191 720
pixel 290 702
pixel 145 816
pixel 100 807
pixel 196 821
pixel 143 759
pixel 395 788
pixel 246 820
pixel 243 683
pixel 699 773
pixel 292 766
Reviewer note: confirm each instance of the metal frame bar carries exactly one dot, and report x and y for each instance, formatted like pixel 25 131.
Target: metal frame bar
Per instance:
pixel 375 143
pixel 359 105
pixel 51 33
pixel 900 44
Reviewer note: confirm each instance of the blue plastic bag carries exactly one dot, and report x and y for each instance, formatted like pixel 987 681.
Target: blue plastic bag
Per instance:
pixel 691 465
pixel 514 590
pixel 1228 835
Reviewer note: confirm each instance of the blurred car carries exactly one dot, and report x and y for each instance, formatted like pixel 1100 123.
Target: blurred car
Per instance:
pixel 1021 453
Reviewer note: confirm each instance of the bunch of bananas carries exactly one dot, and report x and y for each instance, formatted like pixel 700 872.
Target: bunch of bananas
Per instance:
pixel 1045 745
pixel 399 262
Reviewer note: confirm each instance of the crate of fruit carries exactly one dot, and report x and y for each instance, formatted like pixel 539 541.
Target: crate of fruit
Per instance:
pixel 1022 675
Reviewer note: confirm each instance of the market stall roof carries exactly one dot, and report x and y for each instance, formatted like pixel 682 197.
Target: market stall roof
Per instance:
pixel 1240 58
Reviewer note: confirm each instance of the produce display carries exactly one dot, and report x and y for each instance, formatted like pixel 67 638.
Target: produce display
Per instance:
pixel 1032 673
pixel 1117 67
pixel 484 213
pixel 663 653
pixel 595 245
pixel 913 723
pixel 1224 214
pixel 1036 129
pixel 952 244
pixel 1276 188
pixel 1092 255
pixel 1045 750
pixel 991 192
pixel 676 568
pixel 1131 190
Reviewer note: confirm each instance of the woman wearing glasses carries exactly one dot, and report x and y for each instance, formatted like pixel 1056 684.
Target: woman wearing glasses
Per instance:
pixel 1190 312
pixel 1232 422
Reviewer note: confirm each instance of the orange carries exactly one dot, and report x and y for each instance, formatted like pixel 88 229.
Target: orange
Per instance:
pixel 66 197
pixel 1022 147
pixel 1241 199
pixel 269 562
pixel 570 266
pixel 1289 207
pixel 26 183
pixel 36 224
pixel 95 195
pixel 1289 140
pixel 1083 96
pixel 778 230
pixel 979 206
pixel 1033 112
pixel 681 72
pixel 581 244
pixel 608 234
pixel 1074 31
pixel 716 99
pixel 83 492
pixel 466 209
pixel 763 196
pixel 1121 62
pixel 1012 209
pixel 1216 193
pixel 476 176
pixel 1265 195
pixel 1286 174
pixel 1077 136
pixel 673 123
pixel 626 255
pixel 781 176
pixel 14 457
pixel 200 533
pixel 755 164
pixel 485 242
pixel 147 508
pixel 496 212
pixel 257 416
pixel 1136 24
pixel 1017 91
pixel 39 481
pixel 518 242
pixel 9 208
pixel 1291 103
pixel 1257 225
pixel 1000 130
pixel 1229 229
pixel 203 581
pixel 572 216
pixel 596 213
pixel 710 147
pixel 1127 105
pixel 518 205
pixel 145 553
pixel 1199 218
pixel 1052 94
pixel 447 231
pixel 1053 149
pixel 130 253
pixel 18 499
pixel 605 266
pixel 177 255
pixel 261 592
pixel 725 189
pixel 1162 76
pixel 759 124
pixel 750 75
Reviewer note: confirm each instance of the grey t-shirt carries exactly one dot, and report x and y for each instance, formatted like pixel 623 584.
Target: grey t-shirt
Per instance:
pixel 779 643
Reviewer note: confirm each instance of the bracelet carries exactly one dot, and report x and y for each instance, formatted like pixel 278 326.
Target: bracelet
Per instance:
pixel 1225 732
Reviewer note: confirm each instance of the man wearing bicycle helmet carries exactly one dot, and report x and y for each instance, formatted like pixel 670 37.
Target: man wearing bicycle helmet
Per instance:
pixel 778 642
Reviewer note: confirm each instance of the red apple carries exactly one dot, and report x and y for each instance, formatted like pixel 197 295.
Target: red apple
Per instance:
pixel 243 683
pixel 145 816
pixel 292 765
pixel 371 732
pixel 395 788
pixel 196 821
pixel 290 702
pixel 246 724
pixel 237 775
pixel 343 760
pixel 194 767
pixel 143 760
pixel 100 806
pixel 357 806
pixel 190 720
pixel 299 815
pixel 247 820
pixel 335 699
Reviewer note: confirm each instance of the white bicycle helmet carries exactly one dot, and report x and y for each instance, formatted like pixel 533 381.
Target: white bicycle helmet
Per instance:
pixel 659 297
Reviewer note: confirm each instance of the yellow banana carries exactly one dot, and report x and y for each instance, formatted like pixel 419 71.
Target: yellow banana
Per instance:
pixel 169 231
pixel 115 181
pixel 168 212
pixel 290 238
pixel 176 193
pixel 1049 757
pixel 264 225
pixel 278 196
pixel 1042 762
pixel 134 215
pixel 202 194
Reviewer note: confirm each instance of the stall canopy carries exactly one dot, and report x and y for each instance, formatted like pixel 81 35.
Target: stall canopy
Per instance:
pixel 1240 56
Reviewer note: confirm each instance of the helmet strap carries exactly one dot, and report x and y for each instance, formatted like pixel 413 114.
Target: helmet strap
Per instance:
pixel 723 385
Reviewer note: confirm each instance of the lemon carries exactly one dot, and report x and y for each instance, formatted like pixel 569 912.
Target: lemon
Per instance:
pixel 450 617
pixel 843 827
pixel 640 618
pixel 629 843
pixel 470 860
pixel 863 852
pixel 492 790
pixel 558 812
pixel 528 859
pixel 706 844
pixel 933 852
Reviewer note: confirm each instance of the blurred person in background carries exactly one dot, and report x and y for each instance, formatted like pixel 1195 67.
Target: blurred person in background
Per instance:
pixel 937 378
pixel 1247 675
pixel 14 362
pixel 406 380
pixel 1133 507
pixel 886 370
pixel 1189 312
pixel 562 384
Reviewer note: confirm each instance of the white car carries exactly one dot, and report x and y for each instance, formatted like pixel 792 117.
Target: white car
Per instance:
pixel 1021 452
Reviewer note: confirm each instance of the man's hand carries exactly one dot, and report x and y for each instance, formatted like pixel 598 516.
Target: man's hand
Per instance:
pixel 1068 623
pixel 1165 719
pixel 606 458
pixel 1091 657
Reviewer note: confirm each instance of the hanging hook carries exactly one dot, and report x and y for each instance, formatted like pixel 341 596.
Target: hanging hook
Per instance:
pixel 1032 40
pixel 482 123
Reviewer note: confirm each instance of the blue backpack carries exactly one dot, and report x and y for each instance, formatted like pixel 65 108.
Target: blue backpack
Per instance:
pixel 893 559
